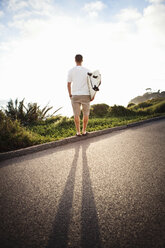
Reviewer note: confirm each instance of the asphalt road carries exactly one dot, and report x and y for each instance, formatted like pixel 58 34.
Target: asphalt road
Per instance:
pixel 107 191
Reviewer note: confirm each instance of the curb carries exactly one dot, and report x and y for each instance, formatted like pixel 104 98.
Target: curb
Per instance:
pixel 53 144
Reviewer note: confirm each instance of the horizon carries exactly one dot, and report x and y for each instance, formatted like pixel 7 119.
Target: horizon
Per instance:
pixel 125 40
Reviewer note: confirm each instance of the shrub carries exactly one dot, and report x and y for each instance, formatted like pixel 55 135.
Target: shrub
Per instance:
pixel 13 136
pixel 99 110
pixel 120 111
pixel 159 108
pixel 27 114
pixel 144 104
pixel 130 105
pixel 53 119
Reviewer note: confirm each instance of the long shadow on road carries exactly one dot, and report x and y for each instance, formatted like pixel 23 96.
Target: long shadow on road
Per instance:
pixel 59 236
pixel 90 236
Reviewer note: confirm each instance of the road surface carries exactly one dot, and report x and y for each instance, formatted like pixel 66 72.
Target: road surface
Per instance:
pixel 103 192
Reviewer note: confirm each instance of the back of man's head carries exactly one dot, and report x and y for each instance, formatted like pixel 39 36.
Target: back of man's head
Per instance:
pixel 78 58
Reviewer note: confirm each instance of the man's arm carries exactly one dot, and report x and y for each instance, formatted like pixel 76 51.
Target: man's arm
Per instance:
pixel 69 89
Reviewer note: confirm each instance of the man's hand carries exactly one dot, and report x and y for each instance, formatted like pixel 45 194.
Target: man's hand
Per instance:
pixel 69 89
pixel 92 99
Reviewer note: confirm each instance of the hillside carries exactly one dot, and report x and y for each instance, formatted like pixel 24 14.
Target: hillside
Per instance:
pixel 147 96
pixel 152 106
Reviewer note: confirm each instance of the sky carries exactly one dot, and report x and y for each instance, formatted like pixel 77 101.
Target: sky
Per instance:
pixel 39 39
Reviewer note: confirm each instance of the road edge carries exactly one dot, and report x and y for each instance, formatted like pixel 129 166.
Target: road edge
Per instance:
pixel 53 144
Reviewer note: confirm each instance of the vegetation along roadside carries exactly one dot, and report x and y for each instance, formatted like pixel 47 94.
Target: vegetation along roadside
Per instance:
pixel 22 126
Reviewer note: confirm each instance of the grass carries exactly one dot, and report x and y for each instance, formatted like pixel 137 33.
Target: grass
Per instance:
pixel 66 128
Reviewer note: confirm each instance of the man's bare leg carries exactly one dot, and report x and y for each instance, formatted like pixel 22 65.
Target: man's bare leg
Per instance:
pixel 77 123
pixel 85 122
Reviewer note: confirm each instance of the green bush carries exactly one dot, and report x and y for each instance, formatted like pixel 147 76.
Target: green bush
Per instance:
pixel 31 113
pixel 144 104
pixel 14 136
pixel 130 105
pixel 159 108
pixel 120 111
pixel 99 110
pixel 52 119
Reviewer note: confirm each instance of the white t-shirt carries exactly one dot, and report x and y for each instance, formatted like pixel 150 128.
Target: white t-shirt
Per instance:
pixel 78 77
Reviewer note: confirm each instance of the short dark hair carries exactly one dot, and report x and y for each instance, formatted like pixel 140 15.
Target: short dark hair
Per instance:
pixel 79 58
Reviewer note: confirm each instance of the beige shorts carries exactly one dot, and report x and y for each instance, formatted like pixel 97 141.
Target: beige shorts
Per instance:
pixel 78 101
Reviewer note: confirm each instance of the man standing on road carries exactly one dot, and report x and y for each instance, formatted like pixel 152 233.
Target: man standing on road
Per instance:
pixel 79 93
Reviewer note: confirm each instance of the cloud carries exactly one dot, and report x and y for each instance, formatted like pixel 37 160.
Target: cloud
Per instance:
pixel 31 7
pixel 1 13
pixel 151 25
pixel 44 7
pixel 2 28
pixel 41 4
pixel 22 15
pixel 15 5
pixel 155 1
pixel 129 14
pixel 93 8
